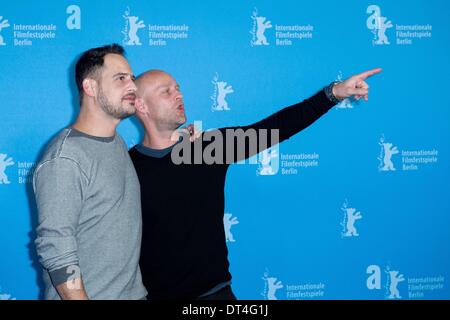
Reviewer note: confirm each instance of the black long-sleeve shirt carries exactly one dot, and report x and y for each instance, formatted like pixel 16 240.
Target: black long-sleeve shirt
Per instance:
pixel 184 252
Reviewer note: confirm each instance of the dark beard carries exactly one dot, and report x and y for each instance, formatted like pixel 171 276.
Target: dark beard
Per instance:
pixel 116 112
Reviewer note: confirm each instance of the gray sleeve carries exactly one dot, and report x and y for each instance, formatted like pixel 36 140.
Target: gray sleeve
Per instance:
pixel 65 274
pixel 58 187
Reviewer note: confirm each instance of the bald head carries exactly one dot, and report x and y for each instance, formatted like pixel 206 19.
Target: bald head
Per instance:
pixel 162 102
pixel 148 79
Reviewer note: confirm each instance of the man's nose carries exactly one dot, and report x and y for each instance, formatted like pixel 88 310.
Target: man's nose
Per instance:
pixel 132 86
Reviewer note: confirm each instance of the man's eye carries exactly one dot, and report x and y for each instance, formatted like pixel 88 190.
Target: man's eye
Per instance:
pixel 121 78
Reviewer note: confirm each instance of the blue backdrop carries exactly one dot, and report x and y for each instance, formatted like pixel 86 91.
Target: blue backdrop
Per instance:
pixel 354 207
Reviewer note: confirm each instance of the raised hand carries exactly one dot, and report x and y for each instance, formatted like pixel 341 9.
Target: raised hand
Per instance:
pixel 355 86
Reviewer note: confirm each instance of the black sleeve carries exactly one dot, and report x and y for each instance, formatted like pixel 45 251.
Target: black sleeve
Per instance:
pixel 276 128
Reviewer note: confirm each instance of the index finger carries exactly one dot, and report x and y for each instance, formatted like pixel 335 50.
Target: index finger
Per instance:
pixel 369 73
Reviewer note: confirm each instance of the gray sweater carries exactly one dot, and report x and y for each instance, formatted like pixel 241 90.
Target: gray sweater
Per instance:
pixel 88 199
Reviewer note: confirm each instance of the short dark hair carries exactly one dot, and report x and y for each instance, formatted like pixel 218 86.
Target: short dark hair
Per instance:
pixel 91 61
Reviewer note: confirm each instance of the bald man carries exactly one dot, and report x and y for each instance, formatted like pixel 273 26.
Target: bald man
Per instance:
pixel 184 253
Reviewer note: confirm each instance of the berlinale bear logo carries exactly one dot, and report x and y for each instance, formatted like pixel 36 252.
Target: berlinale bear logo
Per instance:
pixel 386 153
pixel 378 25
pixel 132 25
pixel 271 285
pixel 259 28
pixel 3 24
pixel 221 90
pixel 392 281
pixel 228 223
pixel 4 162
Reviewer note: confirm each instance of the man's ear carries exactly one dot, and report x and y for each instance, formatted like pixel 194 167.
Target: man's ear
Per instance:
pixel 90 87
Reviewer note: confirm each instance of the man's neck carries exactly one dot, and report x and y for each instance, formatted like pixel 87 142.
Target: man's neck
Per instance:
pixel 160 140
pixel 95 124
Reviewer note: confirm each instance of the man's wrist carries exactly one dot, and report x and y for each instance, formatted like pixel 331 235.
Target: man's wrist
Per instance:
pixel 329 92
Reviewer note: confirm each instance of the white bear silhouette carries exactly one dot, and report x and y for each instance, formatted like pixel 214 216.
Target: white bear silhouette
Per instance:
pixel 273 287
pixel 3 164
pixel 351 218
pixel 381 27
pixel 345 104
pixel 228 222
pixel 395 278
pixel 3 24
pixel 389 151
pixel 134 27
pixel 265 162
pixel 261 26
pixel 223 90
